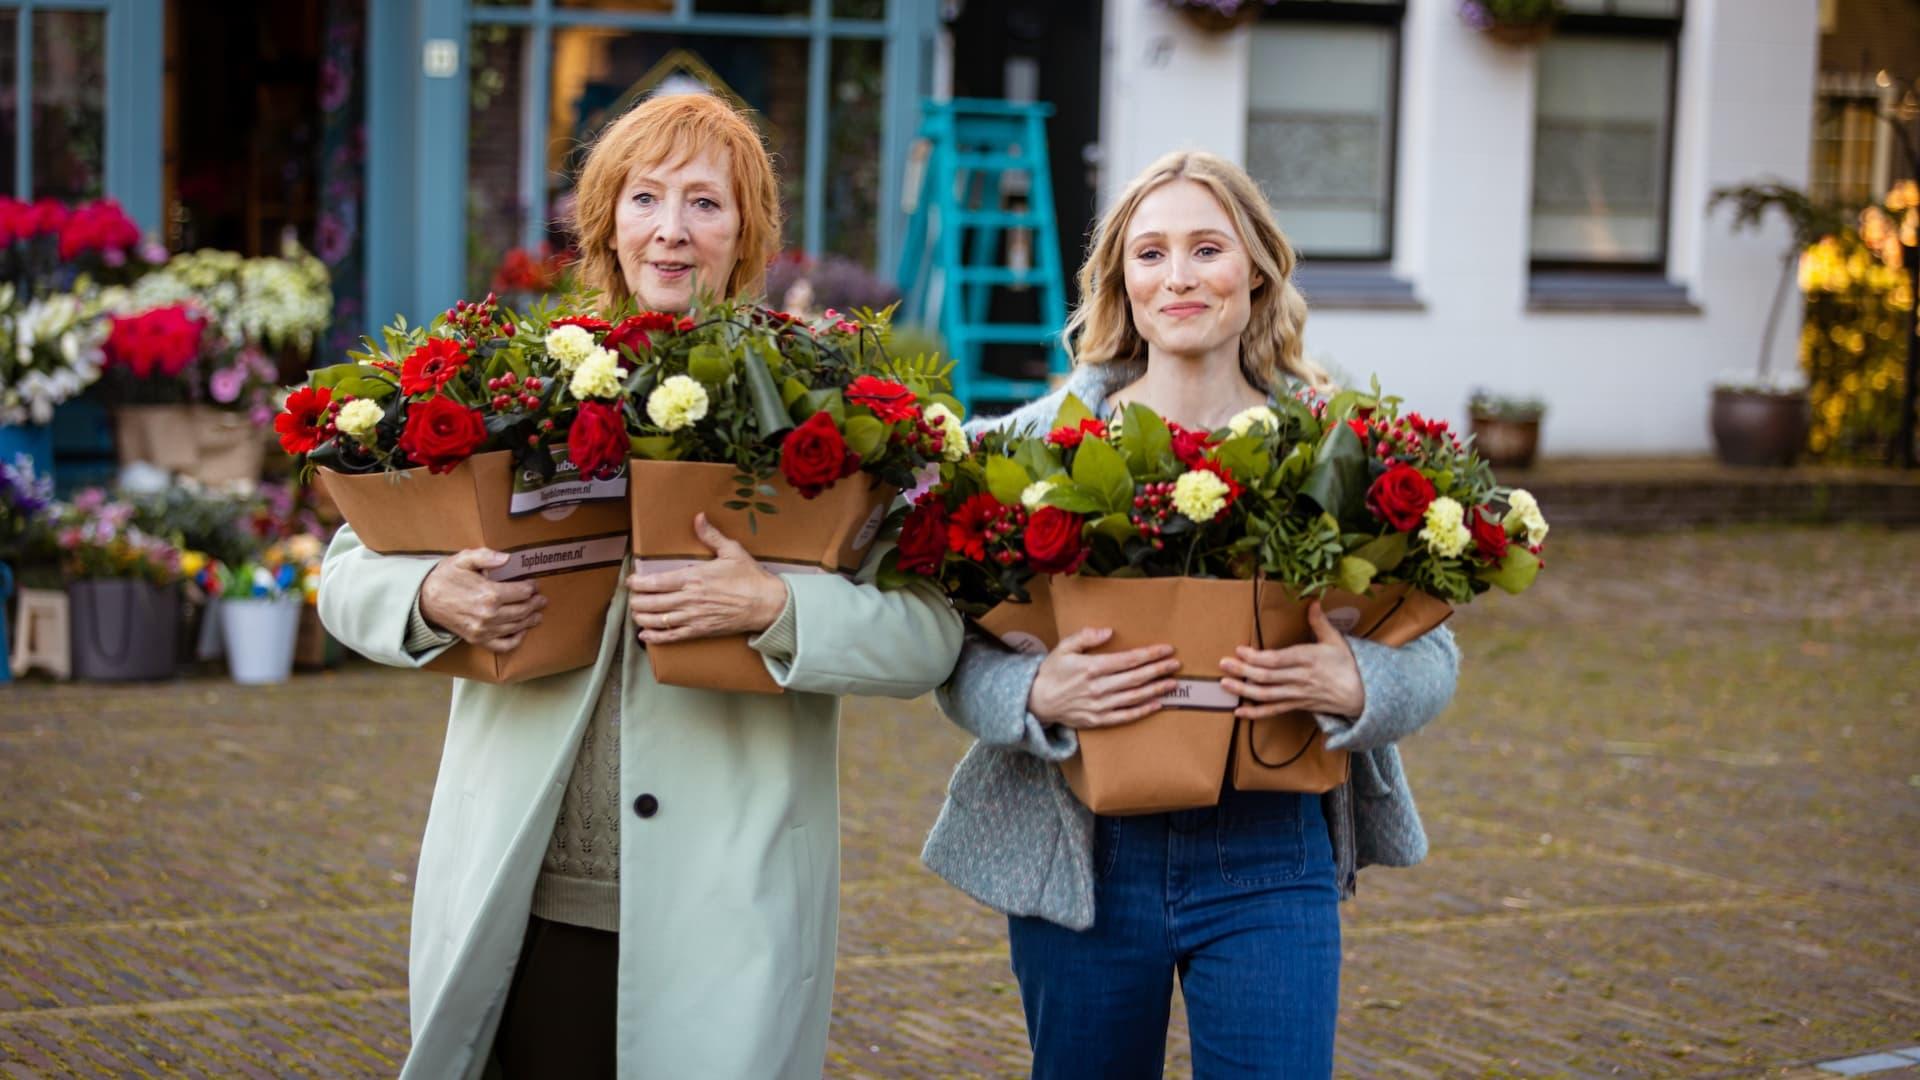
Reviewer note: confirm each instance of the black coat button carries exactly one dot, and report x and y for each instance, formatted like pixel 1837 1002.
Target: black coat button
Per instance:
pixel 646 806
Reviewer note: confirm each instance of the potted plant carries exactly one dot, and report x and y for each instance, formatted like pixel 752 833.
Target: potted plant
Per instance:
pixel 261 601
pixel 1512 22
pixel 1506 430
pixel 1762 419
pixel 123 589
pixel 1219 16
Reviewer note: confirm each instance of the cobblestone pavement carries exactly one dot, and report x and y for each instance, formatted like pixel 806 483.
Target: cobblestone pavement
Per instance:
pixel 1675 815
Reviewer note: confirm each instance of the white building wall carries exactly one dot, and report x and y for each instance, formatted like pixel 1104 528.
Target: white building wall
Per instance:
pixel 1615 382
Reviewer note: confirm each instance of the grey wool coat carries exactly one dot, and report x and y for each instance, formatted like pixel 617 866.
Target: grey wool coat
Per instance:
pixel 1012 835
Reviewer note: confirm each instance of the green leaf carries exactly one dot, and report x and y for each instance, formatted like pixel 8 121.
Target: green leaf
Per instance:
pixel 1384 552
pixel 769 406
pixel 1038 458
pixel 1337 482
pixel 734 504
pixel 828 401
pixel 865 435
pixel 1245 456
pixel 710 364
pixel 1514 573
pixel 1099 468
pixel 655 447
pixel 357 379
pixel 791 391
pixel 1355 574
pixel 1006 480
pixel 1072 411
pixel 1146 439
pixel 1116 527
pixel 1072 498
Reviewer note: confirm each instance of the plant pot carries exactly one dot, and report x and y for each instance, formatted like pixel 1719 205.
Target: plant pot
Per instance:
pixel 35 441
pixel 260 636
pixel 124 629
pixel 1758 429
pixel 1214 21
pixel 1506 443
pixel 1520 34
pixel 213 446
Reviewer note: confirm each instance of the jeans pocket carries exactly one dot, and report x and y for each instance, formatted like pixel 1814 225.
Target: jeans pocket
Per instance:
pixel 1264 845
pixel 1106 846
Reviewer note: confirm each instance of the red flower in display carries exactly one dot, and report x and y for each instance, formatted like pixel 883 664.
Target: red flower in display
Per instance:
pixel 1053 541
pixel 163 341
pixel 47 216
pixel 814 456
pixel 98 226
pixel 303 425
pixel 585 322
pixel 967 529
pixel 441 434
pixel 597 441
pixel 889 400
pixel 923 537
pixel 1489 535
pixel 1190 447
pixel 1069 437
pixel 1400 497
pixel 431 366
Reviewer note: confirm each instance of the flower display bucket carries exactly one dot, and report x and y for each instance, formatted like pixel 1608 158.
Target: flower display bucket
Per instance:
pixel 830 533
pixel 123 629
pixel 572 551
pixel 160 435
pixel 1758 429
pixel 260 635
pixel 35 441
pixel 216 447
pixel 1505 443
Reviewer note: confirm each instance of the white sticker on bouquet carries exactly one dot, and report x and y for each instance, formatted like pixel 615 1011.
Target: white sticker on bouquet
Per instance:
pixel 1344 619
pixel 1205 694
pixel 562 558
pixel 871 529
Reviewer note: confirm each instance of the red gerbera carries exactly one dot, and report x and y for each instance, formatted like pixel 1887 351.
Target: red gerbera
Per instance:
pixel 1190 447
pixel 967 528
pixel 633 330
pixel 302 426
pixel 889 400
pixel 431 366
pixel 1069 437
pixel 585 322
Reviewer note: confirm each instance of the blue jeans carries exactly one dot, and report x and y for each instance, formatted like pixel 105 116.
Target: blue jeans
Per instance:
pixel 1240 900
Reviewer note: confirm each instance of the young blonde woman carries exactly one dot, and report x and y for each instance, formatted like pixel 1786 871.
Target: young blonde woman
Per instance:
pixel 621 878
pixel 1187 307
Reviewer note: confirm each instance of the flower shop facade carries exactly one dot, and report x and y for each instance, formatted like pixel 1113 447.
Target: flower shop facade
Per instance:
pixel 1528 218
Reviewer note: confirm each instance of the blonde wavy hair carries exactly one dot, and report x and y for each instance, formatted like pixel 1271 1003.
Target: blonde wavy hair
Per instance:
pixel 667 130
pixel 1101 329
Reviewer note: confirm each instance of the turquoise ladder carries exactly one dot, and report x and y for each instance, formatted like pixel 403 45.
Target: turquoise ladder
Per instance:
pixel 970 153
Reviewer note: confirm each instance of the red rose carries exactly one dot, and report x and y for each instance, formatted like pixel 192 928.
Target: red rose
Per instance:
pixel 889 400
pixel 1400 497
pixel 1069 437
pixel 441 434
pixel 1190 447
pixel 813 456
pixel 1053 541
pixel 431 366
pixel 923 538
pixel 597 441
pixel 585 322
pixel 967 529
pixel 302 425
pixel 1489 536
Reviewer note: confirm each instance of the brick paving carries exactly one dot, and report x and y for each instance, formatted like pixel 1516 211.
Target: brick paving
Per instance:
pixel 1675 816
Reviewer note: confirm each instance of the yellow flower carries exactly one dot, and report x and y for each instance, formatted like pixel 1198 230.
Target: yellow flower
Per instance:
pixel 192 562
pixel 953 445
pixel 1030 498
pixel 1200 495
pixel 1524 510
pixel 1245 421
pixel 1446 531
pixel 358 418
pixel 570 346
pixel 677 403
pixel 598 376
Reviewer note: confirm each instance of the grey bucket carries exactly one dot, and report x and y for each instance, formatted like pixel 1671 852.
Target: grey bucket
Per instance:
pixel 123 629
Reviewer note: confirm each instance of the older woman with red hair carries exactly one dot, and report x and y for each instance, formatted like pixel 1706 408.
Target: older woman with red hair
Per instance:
pixel 623 878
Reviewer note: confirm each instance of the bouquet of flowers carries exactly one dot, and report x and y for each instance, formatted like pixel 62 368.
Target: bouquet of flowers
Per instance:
pixel 51 349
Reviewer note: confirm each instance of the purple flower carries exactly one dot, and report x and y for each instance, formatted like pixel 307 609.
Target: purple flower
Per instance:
pixel 331 239
pixel 334 86
pixel 226 384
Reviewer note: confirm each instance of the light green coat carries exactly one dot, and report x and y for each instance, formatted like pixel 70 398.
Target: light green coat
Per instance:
pixel 729 894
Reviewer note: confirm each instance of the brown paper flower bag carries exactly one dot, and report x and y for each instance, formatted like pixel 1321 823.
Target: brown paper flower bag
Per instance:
pixel 830 533
pixel 574 552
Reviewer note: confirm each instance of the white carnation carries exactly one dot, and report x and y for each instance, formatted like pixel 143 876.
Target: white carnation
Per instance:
pixel 598 375
pixel 358 418
pixel 1446 531
pixel 1246 420
pixel 570 346
pixel 1200 495
pixel 677 403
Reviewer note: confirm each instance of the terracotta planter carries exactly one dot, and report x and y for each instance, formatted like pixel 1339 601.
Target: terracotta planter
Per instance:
pixel 1520 35
pixel 1760 429
pixel 1506 443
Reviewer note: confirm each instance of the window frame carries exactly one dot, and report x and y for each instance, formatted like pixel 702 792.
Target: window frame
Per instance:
pixel 1390 14
pixel 1645 27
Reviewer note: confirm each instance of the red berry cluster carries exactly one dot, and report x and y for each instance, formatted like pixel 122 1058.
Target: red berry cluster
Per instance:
pixel 479 320
pixel 931 438
pixel 509 390
pixel 1152 509
pixel 1001 530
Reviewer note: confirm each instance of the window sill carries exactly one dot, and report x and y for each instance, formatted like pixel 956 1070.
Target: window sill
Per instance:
pixel 1558 291
pixel 1355 288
